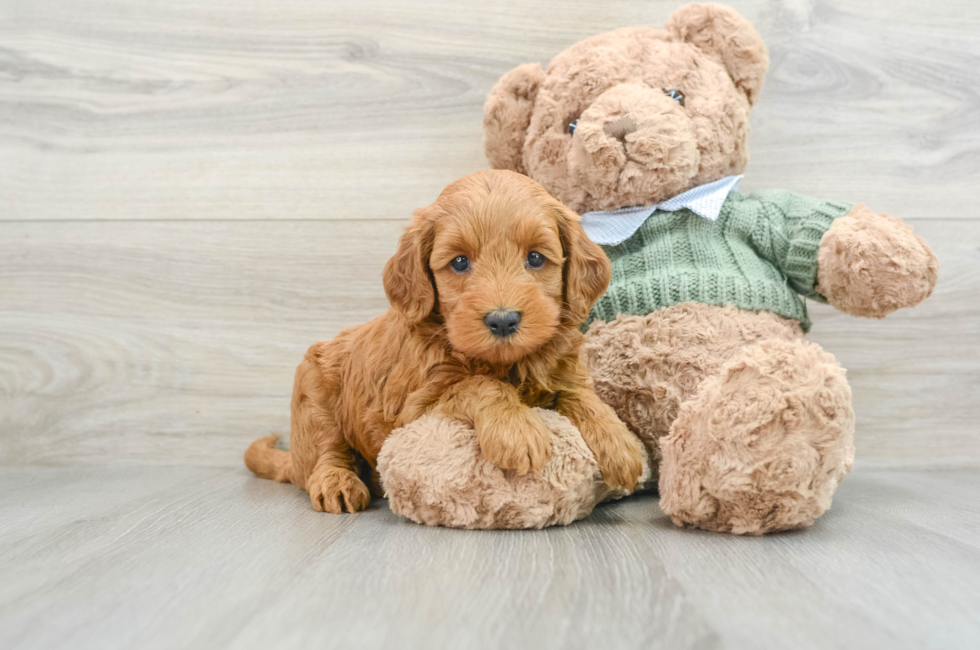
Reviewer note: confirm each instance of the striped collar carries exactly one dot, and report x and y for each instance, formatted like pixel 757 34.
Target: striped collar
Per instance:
pixel 611 227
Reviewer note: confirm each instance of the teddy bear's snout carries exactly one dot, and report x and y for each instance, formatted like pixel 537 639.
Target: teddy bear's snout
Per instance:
pixel 634 145
pixel 620 127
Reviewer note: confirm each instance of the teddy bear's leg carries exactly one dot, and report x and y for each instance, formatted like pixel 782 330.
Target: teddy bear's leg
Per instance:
pixel 435 473
pixel 645 367
pixel 763 444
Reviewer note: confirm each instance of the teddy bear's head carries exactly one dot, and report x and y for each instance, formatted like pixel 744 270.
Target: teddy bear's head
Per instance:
pixel 634 116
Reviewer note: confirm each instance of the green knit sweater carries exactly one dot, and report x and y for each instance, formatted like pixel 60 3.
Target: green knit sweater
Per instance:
pixel 761 254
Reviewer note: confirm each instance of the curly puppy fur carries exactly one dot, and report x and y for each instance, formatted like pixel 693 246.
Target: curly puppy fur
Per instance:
pixel 434 474
pixel 433 351
pixel 871 264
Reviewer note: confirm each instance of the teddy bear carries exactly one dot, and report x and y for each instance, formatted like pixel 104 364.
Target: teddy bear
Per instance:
pixel 699 343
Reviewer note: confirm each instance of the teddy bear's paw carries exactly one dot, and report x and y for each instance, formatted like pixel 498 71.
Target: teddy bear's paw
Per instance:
pixel 434 473
pixel 763 445
pixel 515 439
pixel 871 264
pixel 337 490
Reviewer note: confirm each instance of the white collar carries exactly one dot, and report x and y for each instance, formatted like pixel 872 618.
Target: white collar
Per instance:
pixel 611 227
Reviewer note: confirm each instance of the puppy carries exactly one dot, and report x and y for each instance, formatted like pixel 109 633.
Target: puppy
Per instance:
pixel 487 290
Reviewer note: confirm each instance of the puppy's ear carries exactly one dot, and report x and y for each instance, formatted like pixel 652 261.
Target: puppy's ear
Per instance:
pixel 408 282
pixel 723 33
pixel 507 114
pixel 587 269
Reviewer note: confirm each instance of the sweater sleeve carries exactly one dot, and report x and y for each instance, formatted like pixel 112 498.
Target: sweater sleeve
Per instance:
pixel 788 231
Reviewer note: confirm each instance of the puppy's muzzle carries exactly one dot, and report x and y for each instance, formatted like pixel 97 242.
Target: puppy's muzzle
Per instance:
pixel 502 323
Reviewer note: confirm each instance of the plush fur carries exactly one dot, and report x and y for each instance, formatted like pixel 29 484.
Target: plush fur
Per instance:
pixel 748 427
pixel 749 424
pixel 633 144
pixel 763 443
pixel 432 352
pixel 646 367
pixel 872 264
pixel 435 474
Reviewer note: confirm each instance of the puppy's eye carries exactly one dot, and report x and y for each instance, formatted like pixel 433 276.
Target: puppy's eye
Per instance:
pixel 535 260
pixel 676 95
pixel 571 127
pixel 460 264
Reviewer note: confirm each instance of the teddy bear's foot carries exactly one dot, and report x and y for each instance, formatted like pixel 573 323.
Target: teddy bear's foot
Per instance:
pixel 645 367
pixel 434 473
pixel 763 444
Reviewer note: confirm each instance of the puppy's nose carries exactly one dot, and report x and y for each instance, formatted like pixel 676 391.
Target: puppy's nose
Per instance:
pixel 502 323
pixel 620 128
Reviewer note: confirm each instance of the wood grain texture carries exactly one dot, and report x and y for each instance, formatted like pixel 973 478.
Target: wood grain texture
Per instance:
pixel 170 342
pixel 176 342
pixel 192 193
pixel 153 558
pixel 301 109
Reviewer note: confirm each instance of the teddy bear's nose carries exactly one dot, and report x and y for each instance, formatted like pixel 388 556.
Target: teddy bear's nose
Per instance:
pixel 620 127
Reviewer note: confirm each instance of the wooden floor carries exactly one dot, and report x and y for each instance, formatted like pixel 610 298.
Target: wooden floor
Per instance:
pixel 119 557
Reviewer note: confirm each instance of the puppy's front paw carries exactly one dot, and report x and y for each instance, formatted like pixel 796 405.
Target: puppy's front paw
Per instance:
pixel 515 439
pixel 337 490
pixel 618 453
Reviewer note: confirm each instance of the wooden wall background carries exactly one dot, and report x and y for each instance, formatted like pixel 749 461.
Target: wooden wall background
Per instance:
pixel 193 192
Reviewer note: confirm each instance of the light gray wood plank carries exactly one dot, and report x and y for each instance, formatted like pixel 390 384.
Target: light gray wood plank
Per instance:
pixel 865 550
pixel 357 109
pixel 107 558
pixel 162 343
pixel 167 343
pixel 926 499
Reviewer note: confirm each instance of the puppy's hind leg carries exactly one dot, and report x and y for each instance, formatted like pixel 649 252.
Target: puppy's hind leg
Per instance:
pixel 323 462
pixel 337 489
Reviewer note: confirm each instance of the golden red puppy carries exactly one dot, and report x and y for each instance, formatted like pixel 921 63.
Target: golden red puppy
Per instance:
pixel 487 290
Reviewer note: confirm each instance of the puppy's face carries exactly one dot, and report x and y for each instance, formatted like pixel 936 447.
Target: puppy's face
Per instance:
pixel 510 266
pixel 497 262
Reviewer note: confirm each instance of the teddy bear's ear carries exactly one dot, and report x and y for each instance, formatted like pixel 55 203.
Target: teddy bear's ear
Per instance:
pixel 723 32
pixel 506 116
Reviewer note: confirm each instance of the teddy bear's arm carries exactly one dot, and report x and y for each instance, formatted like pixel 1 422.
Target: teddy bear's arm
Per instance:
pixel 861 262
pixel 786 230
pixel 871 264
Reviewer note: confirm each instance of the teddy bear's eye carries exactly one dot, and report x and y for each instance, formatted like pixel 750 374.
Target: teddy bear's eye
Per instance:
pixel 571 127
pixel 676 95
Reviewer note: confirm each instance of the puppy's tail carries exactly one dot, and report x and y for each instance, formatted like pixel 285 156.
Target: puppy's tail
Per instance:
pixel 266 461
